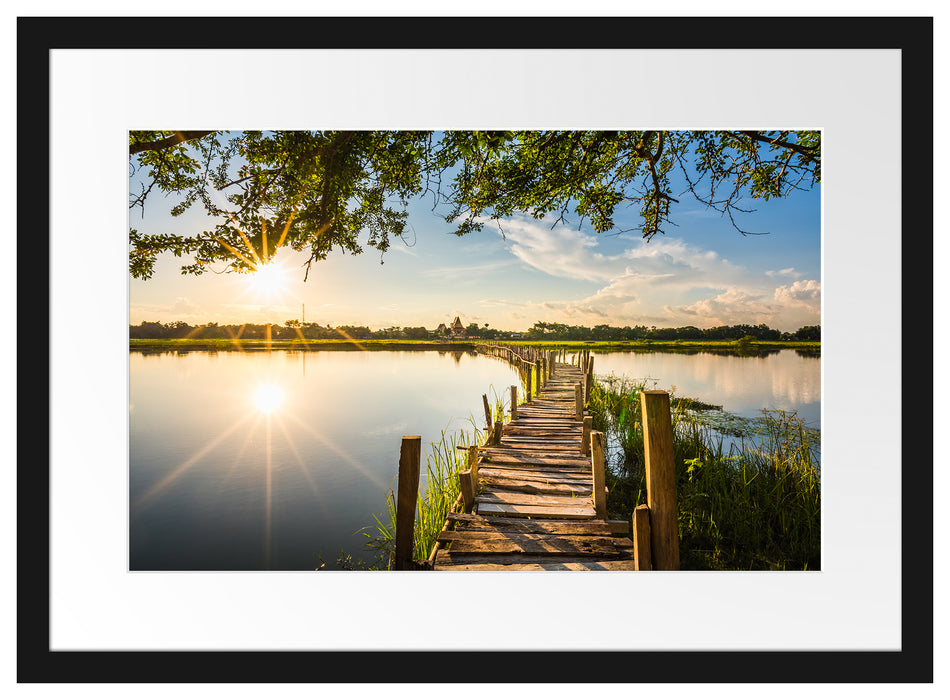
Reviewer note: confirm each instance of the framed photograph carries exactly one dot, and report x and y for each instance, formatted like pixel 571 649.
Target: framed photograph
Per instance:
pixel 95 616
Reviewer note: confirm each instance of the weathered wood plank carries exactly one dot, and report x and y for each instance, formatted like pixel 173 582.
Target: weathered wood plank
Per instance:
pixel 553 447
pixel 514 510
pixel 539 459
pixel 471 521
pixel 526 561
pixel 533 486
pixel 619 565
pixel 547 477
pixel 491 495
pixel 563 547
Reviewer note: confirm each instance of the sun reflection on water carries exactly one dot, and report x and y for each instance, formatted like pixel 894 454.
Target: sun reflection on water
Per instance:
pixel 268 397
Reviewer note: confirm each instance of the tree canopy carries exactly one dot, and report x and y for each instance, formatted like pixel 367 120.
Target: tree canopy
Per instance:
pixel 319 190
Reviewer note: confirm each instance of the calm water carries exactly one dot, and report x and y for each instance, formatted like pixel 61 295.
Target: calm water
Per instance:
pixel 272 460
pixel 784 380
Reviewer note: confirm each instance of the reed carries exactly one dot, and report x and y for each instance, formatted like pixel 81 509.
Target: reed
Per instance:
pixel 438 494
pixel 753 505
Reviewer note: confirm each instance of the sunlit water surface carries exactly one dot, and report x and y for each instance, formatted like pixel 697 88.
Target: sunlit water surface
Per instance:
pixel 279 460
pixel 785 380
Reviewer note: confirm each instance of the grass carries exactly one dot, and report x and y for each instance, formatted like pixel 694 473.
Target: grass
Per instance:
pixel 754 505
pixel 437 497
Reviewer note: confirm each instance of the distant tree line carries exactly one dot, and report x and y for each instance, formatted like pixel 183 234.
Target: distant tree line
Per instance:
pixel 560 331
pixel 292 329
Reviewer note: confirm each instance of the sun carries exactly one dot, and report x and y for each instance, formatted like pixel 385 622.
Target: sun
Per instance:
pixel 268 397
pixel 269 279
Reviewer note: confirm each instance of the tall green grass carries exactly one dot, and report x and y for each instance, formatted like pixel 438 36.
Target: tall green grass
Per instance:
pixel 755 504
pixel 439 492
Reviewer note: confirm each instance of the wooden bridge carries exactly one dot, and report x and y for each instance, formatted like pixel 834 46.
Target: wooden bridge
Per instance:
pixel 533 496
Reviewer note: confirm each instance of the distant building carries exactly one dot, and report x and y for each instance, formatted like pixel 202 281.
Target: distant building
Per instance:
pixel 456 330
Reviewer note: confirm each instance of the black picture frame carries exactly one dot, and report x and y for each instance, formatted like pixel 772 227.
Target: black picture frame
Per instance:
pixel 36 663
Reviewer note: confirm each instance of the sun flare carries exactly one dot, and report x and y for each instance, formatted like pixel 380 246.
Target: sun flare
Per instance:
pixel 269 279
pixel 268 398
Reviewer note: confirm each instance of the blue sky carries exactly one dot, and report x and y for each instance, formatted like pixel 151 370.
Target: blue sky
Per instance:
pixel 701 272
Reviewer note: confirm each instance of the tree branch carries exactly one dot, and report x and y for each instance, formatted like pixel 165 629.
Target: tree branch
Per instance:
pixel 801 150
pixel 162 144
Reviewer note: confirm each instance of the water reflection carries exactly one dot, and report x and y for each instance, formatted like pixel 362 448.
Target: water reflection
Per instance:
pixel 249 461
pixel 745 385
pixel 268 397
pixel 278 460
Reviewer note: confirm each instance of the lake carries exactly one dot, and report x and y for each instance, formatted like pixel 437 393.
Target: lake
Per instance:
pixel 783 380
pixel 277 460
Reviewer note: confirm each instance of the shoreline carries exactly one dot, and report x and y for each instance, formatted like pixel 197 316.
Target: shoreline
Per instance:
pixel 241 345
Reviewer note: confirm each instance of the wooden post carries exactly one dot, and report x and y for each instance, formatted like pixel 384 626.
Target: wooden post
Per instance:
pixel 661 479
pixel 487 413
pixel 496 437
pixel 643 561
pixel 527 383
pixel 407 487
pixel 578 402
pixel 585 436
pixel 540 379
pixel 514 403
pixel 597 466
pixel 467 487
pixel 473 462
pixel 588 378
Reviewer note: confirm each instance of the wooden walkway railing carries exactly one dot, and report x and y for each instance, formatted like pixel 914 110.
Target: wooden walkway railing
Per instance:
pixel 534 495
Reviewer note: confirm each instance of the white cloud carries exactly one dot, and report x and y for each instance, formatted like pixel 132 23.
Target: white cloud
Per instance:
pixel 804 293
pixel 787 272
pixel 558 251
pixel 664 282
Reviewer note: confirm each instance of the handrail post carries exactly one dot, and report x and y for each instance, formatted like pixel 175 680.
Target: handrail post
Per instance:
pixel 410 454
pixel 514 402
pixel 473 461
pixel 597 468
pixel 585 435
pixel 661 479
pixel 588 378
pixel 643 560
pixel 488 421
pixel 467 487
pixel 578 402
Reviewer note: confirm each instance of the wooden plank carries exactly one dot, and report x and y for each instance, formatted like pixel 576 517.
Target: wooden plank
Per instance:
pixel 534 511
pixel 552 447
pixel 526 561
pixel 562 547
pixel 477 538
pixel 518 497
pixel 546 477
pixel 619 565
pixel 471 521
pixel 544 432
pixel 533 486
pixel 538 459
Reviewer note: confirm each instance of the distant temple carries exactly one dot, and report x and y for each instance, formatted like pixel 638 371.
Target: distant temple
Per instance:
pixel 456 330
